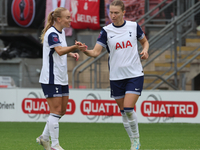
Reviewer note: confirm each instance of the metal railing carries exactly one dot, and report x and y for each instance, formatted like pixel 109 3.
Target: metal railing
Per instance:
pixel 75 69
pixel 173 28
pixel 94 62
pixel 149 18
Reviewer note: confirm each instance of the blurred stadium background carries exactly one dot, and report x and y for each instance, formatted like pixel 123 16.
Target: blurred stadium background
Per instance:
pixel 171 26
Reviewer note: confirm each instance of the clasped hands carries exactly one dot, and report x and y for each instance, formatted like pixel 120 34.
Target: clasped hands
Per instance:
pixel 82 46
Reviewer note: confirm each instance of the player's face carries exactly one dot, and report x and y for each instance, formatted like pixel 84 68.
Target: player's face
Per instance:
pixel 65 19
pixel 116 15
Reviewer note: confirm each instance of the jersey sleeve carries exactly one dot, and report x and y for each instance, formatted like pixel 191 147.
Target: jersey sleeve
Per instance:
pixel 140 33
pixel 102 39
pixel 53 40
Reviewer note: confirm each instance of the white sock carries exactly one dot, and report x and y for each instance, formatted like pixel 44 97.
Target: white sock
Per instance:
pixel 126 124
pixel 133 122
pixel 54 128
pixel 45 133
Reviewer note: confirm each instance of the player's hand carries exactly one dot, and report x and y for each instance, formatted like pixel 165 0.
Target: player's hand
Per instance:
pixel 74 55
pixel 78 43
pixel 81 46
pixel 144 54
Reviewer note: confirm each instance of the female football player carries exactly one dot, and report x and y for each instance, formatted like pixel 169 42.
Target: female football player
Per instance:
pixel 54 77
pixel 126 72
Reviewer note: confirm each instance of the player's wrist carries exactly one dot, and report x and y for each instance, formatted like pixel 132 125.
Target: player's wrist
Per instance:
pixel 76 46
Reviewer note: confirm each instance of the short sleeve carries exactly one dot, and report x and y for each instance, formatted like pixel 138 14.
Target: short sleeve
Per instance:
pixel 102 39
pixel 53 40
pixel 140 33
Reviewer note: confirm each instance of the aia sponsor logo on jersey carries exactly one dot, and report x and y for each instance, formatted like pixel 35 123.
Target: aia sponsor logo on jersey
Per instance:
pixel 123 44
pixel 169 109
pixel 40 106
pixel 23 12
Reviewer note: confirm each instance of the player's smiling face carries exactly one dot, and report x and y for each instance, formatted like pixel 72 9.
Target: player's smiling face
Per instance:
pixel 116 15
pixel 65 19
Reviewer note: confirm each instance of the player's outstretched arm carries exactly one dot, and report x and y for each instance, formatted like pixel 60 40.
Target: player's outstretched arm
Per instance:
pixel 145 45
pixel 65 50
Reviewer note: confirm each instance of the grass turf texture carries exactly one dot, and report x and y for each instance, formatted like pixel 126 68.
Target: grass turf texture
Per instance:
pixel 101 136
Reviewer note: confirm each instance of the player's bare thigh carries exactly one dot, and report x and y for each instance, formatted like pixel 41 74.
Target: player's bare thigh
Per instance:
pixel 58 105
pixel 55 105
pixel 130 100
pixel 120 103
pixel 64 104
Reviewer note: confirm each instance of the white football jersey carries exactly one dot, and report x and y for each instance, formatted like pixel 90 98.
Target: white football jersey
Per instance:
pixel 121 43
pixel 54 68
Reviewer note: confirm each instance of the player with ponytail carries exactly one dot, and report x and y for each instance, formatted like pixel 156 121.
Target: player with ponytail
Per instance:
pixel 54 77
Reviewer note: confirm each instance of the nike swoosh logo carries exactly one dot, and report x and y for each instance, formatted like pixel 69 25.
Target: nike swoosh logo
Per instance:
pixel 112 36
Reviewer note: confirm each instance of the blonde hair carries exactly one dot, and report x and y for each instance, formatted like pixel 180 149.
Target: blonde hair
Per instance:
pixel 118 3
pixel 51 19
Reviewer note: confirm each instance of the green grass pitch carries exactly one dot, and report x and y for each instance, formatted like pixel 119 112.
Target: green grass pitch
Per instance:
pixel 101 136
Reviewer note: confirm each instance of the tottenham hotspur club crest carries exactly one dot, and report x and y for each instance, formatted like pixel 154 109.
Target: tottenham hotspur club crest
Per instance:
pixel 56 90
pixel 130 33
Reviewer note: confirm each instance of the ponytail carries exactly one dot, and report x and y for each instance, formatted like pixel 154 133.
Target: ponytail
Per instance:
pixel 51 18
pixel 50 23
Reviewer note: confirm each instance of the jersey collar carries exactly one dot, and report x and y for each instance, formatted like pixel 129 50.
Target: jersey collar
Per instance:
pixel 121 25
pixel 57 30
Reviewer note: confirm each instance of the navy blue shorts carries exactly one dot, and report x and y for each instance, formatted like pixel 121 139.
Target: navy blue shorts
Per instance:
pixel 120 87
pixel 55 90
